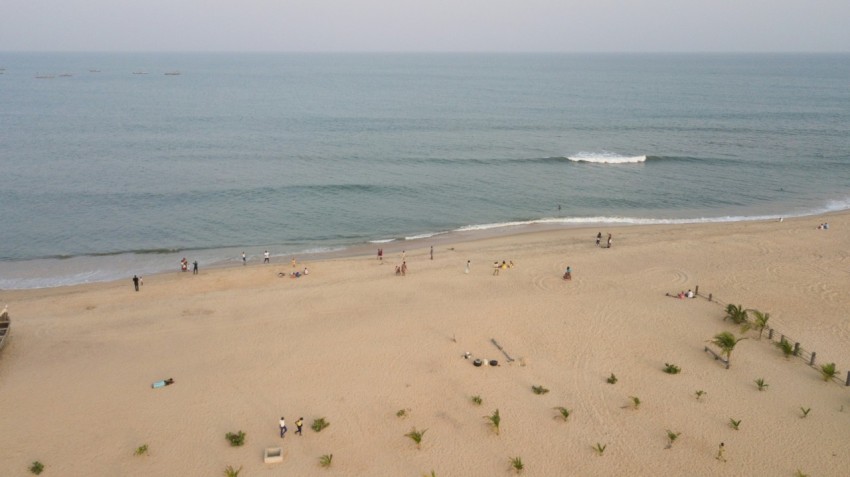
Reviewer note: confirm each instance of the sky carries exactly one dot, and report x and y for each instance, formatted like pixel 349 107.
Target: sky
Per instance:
pixel 426 25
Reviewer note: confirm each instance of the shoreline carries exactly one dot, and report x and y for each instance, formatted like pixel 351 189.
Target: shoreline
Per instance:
pixel 147 264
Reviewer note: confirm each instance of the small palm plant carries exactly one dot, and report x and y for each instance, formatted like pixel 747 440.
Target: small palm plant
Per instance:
pixel 402 413
pixel 600 448
pixel 319 424
pixel 495 420
pixel 671 368
pixel 564 412
pixel 726 341
pixel 786 347
pixel 612 379
pixel 416 436
pixel 229 471
pixel 699 394
pixel 141 450
pixel 805 411
pixel 759 322
pixel 737 313
pixel 828 371
pixel 671 438
pixel 761 384
pixel 516 463
pixel 734 424
pixel 325 460
pixel 476 400
pixel 539 390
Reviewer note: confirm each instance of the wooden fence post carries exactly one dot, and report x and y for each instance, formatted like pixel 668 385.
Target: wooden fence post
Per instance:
pixel 812 361
pixel 696 290
pixel 796 349
pixel 847 383
pixel 770 334
pixel 709 297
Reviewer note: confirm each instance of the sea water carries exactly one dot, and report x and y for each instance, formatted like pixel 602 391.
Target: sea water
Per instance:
pixel 111 167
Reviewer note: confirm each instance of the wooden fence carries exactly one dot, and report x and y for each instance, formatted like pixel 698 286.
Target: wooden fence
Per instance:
pixel 775 336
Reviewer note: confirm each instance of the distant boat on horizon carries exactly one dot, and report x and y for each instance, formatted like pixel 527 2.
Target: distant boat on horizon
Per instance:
pixel 40 76
pixel 65 75
pixel 94 71
pixel 140 72
pixel 172 73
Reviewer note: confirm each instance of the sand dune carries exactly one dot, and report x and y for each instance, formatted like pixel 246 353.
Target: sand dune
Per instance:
pixel 354 343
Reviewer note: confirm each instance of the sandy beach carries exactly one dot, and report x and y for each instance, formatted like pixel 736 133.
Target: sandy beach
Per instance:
pixel 355 344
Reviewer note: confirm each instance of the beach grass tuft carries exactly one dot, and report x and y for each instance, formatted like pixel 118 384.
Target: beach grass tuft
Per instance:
pixel 229 471
pixel 326 460
pixel 539 390
pixel 612 379
pixel 495 419
pixel 516 463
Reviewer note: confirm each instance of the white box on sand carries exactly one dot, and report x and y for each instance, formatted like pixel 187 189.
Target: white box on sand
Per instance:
pixel 273 455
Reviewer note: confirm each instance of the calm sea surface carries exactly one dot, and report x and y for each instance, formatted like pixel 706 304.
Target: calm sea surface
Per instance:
pixel 112 167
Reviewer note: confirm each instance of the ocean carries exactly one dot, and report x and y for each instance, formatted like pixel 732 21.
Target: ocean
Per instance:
pixel 121 164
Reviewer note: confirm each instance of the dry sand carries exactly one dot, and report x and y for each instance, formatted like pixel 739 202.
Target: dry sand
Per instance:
pixel 354 343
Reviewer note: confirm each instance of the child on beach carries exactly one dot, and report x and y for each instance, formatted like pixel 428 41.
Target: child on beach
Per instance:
pixel 568 275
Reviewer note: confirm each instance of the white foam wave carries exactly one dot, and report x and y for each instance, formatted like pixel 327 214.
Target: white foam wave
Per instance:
pixel 382 241
pixel 425 235
pixel 606 158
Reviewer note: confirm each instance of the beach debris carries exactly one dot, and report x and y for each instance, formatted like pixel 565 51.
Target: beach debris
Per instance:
pixel 163 383
pixel 493 340
pixel 273 455
pixel 477 362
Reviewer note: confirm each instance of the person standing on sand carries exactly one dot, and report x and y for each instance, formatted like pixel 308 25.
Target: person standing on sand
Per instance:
pixel 381 255
pixel 467 267
pixel 609 240
pixel 195 267
pixel 720 451
pixel 298 424
pixel 266 256
pixel 403 255
pixel 282 428
pixel 136 282
pixel 403 268
pixel 244 259
pixel 598 238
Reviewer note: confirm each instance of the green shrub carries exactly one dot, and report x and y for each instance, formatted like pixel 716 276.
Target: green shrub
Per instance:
pixel 539 390
pixel 476 400
pixel 229 471
pixel 237 439
pixel 671 368
pixel 828 371
pixel 325 460
pixel 516 463
pixel 612 379
pixel 37 467
pixel 142 449
pixel 416 436
pixel 495 420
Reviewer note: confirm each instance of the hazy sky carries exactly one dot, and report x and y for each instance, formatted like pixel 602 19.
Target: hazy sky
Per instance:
pixel 425 25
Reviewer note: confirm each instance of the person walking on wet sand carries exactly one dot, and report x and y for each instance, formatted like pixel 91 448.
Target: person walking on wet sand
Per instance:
pixel 432 252
pixel 609 240
pixel 598 238
pixel 298 424
pixel 244 259
pixel 266 256
pixel 136 282
pixel 195 267
pixel 381 255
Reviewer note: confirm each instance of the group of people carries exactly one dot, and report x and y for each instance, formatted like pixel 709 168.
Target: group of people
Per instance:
pixel 500 266
pixel 401 269
pixel 295 274
pixel 184 266
pixel 298 425
pixel 823 226
pixel 599 240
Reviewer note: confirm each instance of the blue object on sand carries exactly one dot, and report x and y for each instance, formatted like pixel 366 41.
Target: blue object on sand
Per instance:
pixel 163 383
